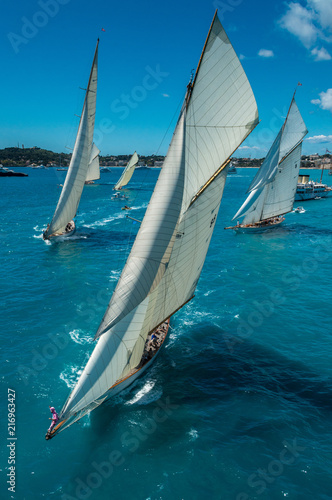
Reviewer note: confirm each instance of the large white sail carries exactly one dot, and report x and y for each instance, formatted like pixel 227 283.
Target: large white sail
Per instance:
pixel 128 172
pixel 93 173
pixel 272 190
pixel 280 199
pixel 79 164
pixel 213 130
pixel 166 260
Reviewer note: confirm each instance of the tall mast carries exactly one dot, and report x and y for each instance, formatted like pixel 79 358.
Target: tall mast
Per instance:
pixel 191 84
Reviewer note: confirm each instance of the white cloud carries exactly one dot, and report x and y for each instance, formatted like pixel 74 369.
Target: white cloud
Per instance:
pixel 321 54
pixel 249 147
pixel 325 101
pixel 165 95
pixel 265 53
pixel 241 57
pixel 319 139
pixel 323 9
pixel 310 24
pixel 298 21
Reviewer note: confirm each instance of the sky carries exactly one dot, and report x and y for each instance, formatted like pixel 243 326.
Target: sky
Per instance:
pixel 146 55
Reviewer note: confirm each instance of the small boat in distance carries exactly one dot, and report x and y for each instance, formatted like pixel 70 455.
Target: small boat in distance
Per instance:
pixel 232 169
pixel 62 224
pixel 127 173
pixel 272 190
pixel 167 257
pixel 119 196
pixel 5 172
pixel 299 210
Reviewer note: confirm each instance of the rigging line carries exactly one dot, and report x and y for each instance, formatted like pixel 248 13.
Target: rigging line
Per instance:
pixel 170 123
pixel 147 172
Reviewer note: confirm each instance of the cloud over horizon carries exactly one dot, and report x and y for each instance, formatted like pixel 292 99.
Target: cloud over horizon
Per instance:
pixel 319 139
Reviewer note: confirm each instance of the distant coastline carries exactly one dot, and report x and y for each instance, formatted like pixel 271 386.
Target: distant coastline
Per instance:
pixel 36 157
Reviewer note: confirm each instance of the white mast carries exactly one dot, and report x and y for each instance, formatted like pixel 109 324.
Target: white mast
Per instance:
pixel 77 171
pixel 166 260
pixel 128 172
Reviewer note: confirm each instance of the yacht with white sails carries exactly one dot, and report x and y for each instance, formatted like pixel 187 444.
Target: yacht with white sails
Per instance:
pixel 161 273
pixel 272 191
pixel 127 173
pixel 84 154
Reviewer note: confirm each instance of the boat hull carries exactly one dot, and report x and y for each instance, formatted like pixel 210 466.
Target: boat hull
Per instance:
pixel 256 228
pixel 118 387
pixel 13 174
pixel 311 193
pixel 127 381
pixel 60 237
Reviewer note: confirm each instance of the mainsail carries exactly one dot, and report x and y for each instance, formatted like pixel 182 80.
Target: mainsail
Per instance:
pixel 273 189
pixel 80 160
pixel 93 173
pixel 128 172
pixel 166 260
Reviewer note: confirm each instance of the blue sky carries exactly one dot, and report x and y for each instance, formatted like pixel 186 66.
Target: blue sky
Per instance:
pixel 146 56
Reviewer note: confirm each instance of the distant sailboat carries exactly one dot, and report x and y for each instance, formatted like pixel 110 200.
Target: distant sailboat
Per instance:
pixel 62 223
pixel 93 173
pixel 166 260
pixel 128 172
pixel 273 189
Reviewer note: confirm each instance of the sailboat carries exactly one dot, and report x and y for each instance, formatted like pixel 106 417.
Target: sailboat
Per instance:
pixel 161 273
pixel 62 224
pixel 127 173
pixel 273 189
pixel 93 173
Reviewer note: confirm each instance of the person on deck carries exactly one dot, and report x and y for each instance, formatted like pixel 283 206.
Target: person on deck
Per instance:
pixel 54 418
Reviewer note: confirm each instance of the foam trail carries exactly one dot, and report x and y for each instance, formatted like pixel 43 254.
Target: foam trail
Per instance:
pixel 146 395
pixel 71 375
pixel 78 338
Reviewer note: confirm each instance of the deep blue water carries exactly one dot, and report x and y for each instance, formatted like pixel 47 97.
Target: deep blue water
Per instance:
pixel 238 404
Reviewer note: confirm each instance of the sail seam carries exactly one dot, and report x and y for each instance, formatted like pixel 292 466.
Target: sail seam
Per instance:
pixel 214 176
pixel 226 91
pixel 291 151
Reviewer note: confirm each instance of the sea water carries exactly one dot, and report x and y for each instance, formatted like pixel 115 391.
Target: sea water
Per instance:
pixel 238 404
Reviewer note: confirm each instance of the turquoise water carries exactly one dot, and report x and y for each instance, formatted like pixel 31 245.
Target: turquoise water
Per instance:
pixel 238 404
